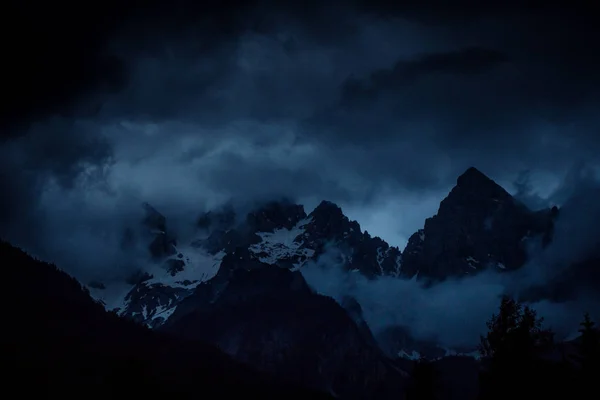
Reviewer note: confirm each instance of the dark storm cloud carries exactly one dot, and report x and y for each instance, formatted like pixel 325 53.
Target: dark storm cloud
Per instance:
pixel 481 105
pixel 188 104
pixel 53 54
pixel 62 151
pixel 464 61
pixel 511 90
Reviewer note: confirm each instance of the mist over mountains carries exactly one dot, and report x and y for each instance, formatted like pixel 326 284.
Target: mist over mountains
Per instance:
pixel 438 300
pixel 314 297
pixel 323 191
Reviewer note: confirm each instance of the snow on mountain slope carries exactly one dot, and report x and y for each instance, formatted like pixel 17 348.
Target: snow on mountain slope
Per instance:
pixel 164 283
pixel 112 296
pixel 277 233
pixel 458 240
pixel 478 226
pixel 283 244
pixel 161 285
pixel 409 355
pixel 195 264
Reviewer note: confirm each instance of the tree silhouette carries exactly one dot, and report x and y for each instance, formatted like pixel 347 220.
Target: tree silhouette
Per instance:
pixel 511 350
pixel 515 332
pixel 589 351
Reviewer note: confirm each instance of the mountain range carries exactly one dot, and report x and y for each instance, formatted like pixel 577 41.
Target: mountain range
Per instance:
pixel 479 226
pixel 238 285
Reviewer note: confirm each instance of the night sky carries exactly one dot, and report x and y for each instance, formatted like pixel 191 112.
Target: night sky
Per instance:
pixel 375 107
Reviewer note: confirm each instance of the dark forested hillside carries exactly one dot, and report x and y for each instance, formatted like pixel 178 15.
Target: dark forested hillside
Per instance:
pixel 57 340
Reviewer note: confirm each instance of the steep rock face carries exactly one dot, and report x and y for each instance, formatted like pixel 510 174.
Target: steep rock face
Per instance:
pixel 151 304
pixel 478 225
pixel 162 243
pixel 372 256
pixel 268 317
pixel 275 215
pixel 281 233
pixel 227 234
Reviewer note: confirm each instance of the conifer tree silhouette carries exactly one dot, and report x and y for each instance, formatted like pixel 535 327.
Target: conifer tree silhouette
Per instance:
pixel 511 350
pixel 589 352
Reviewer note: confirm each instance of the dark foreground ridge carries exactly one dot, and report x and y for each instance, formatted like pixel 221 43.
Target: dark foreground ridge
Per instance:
pixel 268 317
pixel 58 341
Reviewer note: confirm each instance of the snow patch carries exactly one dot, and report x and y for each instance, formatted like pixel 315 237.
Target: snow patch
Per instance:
pixel 473 263
pixel 398 265
pixel 380 259
pixel 413 355
pixel 199 267
pixel 450 352
pixel 283 244
pixel 164 311
pixel 112 297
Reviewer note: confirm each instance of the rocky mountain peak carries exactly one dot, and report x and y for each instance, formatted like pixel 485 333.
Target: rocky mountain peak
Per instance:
pixel 473 177
pixel 357 249
pixel 475 190
pixel 276 215
pixel 478 225
pixel 329 208
pixel 328 221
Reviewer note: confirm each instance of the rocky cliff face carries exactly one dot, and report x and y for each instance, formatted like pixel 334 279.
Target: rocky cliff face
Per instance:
pixel 478 226
pixel 282 233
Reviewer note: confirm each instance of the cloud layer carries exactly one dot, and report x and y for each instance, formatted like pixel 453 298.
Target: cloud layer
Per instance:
pixel 453 313
pixel 377 108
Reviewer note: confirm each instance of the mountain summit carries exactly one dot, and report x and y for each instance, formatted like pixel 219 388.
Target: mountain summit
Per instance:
pixel 237 284
pixel 474 178
pixel 478 225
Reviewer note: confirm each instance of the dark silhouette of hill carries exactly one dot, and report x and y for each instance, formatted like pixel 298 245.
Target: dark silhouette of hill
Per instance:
pixel 269 317
pixel 57 340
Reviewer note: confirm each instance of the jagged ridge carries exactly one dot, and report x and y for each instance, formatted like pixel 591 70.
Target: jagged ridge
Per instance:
pixel 478 225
